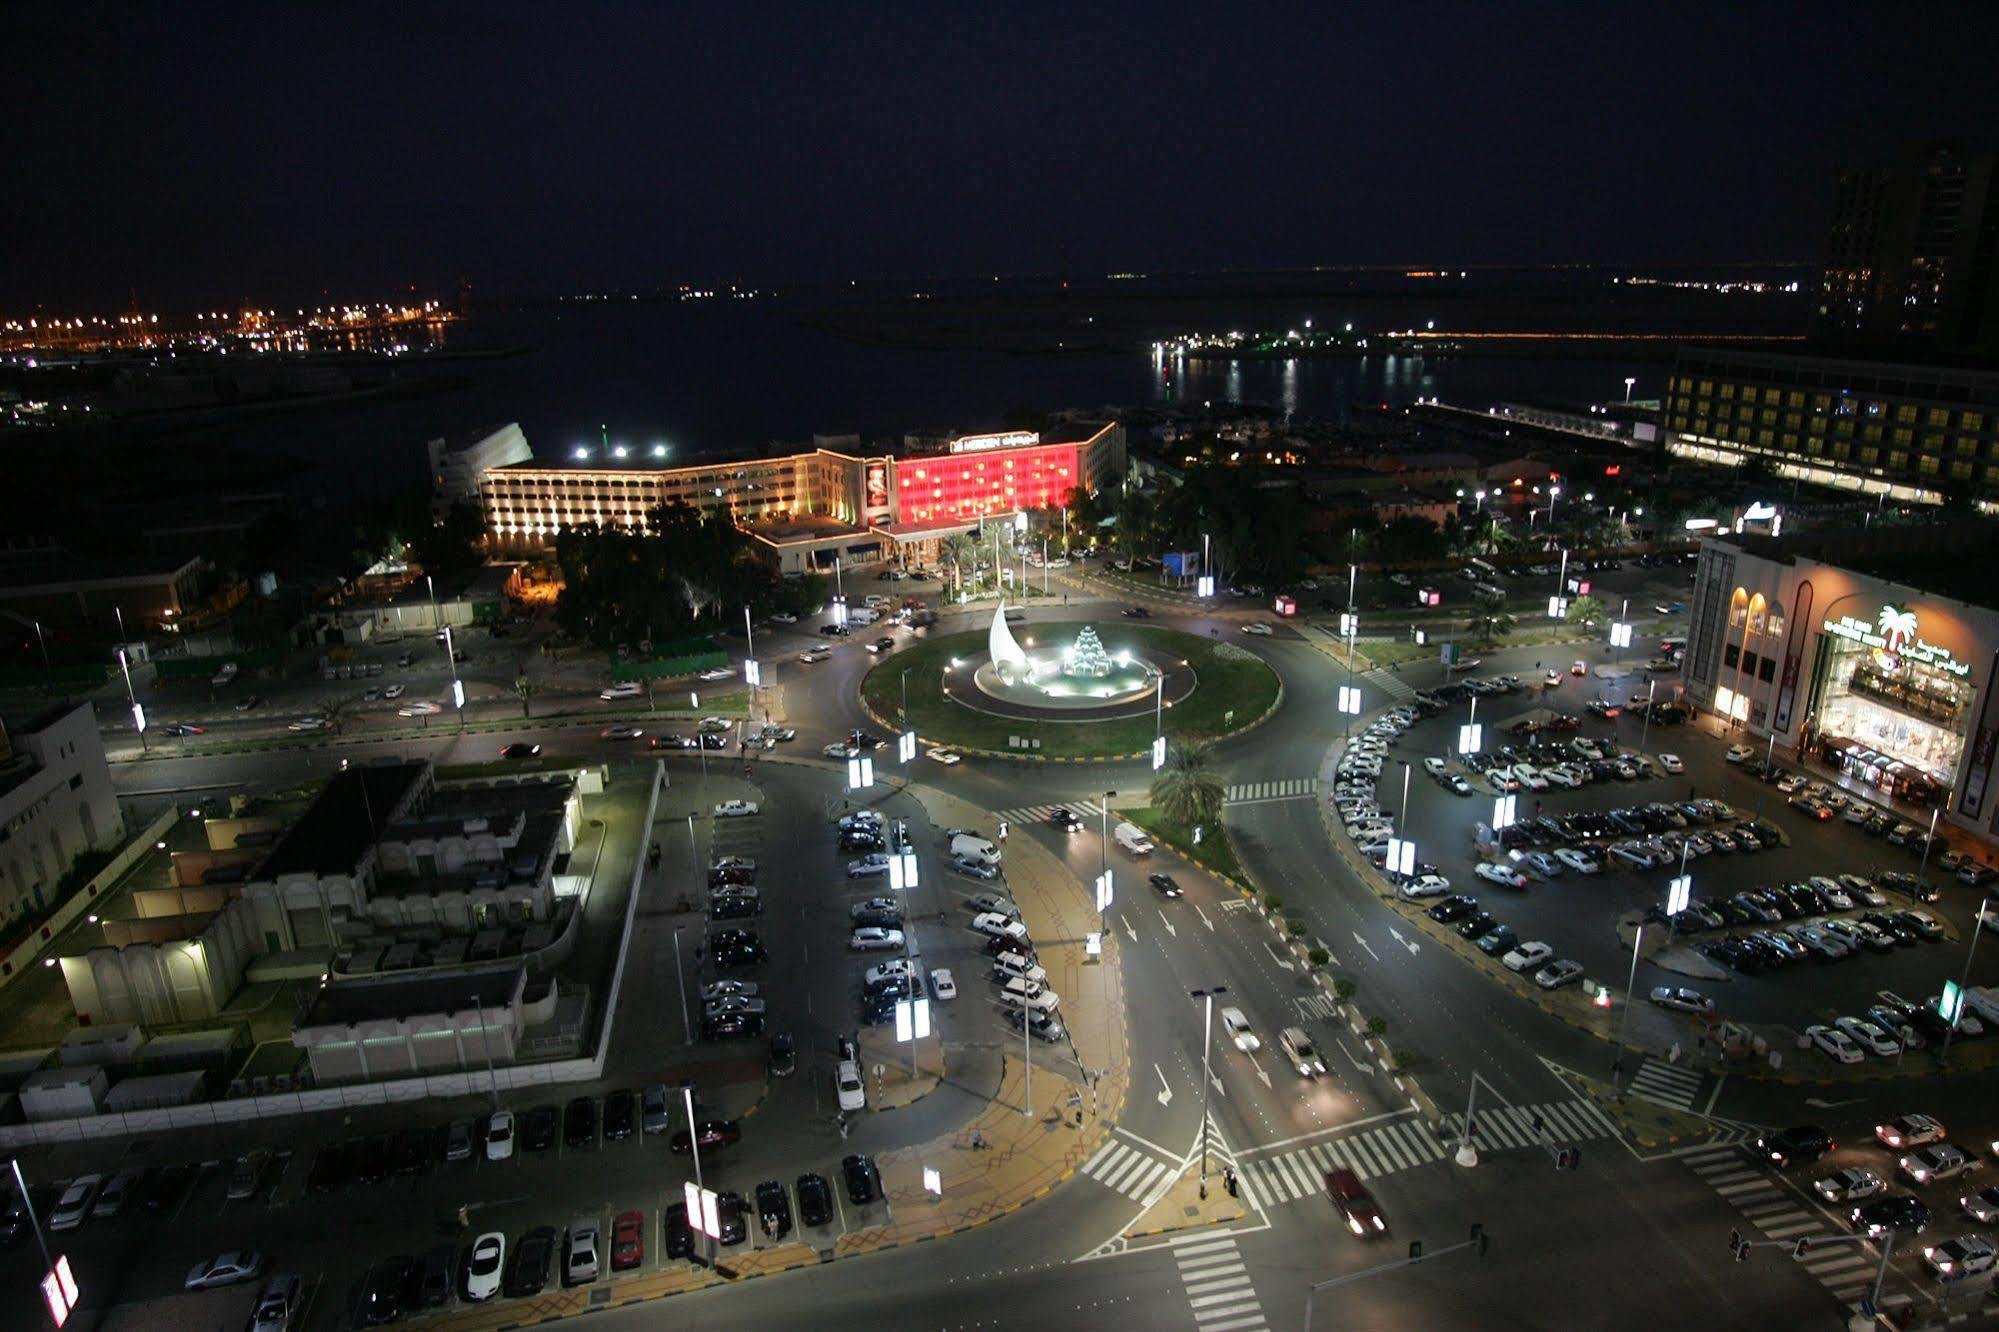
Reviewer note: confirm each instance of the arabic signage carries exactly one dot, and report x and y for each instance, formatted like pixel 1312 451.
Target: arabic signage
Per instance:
pixel 1893 634
pixel 1012 439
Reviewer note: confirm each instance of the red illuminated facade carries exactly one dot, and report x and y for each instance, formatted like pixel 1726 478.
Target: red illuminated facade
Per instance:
pixel 943 487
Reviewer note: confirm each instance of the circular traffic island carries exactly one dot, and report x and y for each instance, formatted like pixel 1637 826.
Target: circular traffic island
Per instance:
pixel 1069 689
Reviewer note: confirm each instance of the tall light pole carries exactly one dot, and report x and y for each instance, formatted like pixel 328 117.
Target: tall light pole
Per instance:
pixel 1977 928
pixel 1629 382
pixel 680 985
pixel 486 1048
pixel 1651 689
pixel 1207 1075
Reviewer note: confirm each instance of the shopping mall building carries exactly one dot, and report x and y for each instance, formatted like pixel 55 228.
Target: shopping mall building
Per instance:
pixel 1871 654
pixel 837 501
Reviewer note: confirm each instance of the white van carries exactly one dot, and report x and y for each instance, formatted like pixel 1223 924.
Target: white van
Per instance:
pixel 862 615
pixel 1029 995
pixel 969 846
pixel 1133 839
pixel 629 689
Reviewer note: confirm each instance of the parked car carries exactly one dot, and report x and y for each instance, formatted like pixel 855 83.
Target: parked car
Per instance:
pixel 527 1273
pixel 225 1269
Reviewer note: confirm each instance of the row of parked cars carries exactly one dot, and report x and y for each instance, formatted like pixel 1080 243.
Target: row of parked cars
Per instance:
pixel 1922 1157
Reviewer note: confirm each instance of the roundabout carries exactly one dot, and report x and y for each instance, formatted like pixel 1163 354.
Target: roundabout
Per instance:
pixel 1070 689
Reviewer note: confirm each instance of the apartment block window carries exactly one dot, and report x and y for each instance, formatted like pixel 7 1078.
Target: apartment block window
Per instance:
pixel 1938 416
pixel 1728 391
pixel 1928 464
pixel 1898 461
pixel 1766 438
pixel 1792 420
pixel 1869 455
pixel 1871 433
pixel 1960 471
pixel 1906 413
pixel 1904 438
pixel 1790 442
pixel 1972 422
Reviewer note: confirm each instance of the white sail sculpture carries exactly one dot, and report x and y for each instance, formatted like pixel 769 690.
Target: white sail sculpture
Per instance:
pixel 1009 662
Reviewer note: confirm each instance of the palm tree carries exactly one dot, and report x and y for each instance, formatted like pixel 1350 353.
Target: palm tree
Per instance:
pixel 1187 790
pixel 1490 620
pixel 337 712
pixel 1586 611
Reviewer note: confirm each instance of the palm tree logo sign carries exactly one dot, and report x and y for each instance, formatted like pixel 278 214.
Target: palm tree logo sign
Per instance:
pixel 1898 629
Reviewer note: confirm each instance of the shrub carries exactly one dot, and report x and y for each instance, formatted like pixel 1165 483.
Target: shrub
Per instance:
pixel 1343 989
pixel 1296 928
pixel 1376 1026
pixel 1272 902
pixel 1403 1060
pixel 1318 957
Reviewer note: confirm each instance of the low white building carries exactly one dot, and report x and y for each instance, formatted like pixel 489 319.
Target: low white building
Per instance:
pixel 56 802
pixel 456 464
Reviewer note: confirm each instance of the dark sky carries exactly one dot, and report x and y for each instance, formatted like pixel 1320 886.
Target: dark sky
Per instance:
pixel 207 152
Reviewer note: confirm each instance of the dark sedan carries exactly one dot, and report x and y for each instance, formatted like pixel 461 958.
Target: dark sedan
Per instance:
pixel 579 1124
pixel 815 1200
pixel 864 1180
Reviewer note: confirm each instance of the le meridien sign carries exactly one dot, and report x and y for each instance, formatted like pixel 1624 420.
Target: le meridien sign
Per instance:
pixel 1012 439
pixel 1893 631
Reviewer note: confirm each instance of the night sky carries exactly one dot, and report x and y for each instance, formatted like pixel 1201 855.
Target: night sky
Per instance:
pixel 207 153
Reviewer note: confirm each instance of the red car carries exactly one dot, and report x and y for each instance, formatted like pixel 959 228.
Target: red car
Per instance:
pixel 628 1241
pixel 1355 1204
pixel 714 1133
pixel 1562 721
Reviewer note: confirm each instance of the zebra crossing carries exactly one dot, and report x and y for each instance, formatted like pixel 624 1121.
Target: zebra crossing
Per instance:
pixel 1388 682
pixel 1301 1172
pixel 1845 1270
pixel 1289 788
pixel 1502 1127
pixel 1089 809
pixel 1219 1291
pixel 1131 1170
pixel 1667 1084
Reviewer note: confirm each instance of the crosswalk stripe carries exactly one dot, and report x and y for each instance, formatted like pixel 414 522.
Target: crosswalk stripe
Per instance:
pixel 1230 1282
pixel 1203 1301
pixel 1427 1147
pixel 1386 1144
pixel 1234 1323
pixel 1791 1229
pixel 1300 1186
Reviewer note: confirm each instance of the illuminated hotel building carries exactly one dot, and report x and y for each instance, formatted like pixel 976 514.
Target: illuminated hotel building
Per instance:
pixel 808 507
pixel 1856 652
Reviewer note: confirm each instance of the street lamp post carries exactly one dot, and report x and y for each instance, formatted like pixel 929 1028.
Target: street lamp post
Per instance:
pixel 486 1047
pixel 1630 381
pixel 1207 1077
pixel 1971 951
pixel 680 985
pixel 1645 730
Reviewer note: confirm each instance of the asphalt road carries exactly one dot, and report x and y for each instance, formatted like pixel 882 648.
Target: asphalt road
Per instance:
pixel 1638 1230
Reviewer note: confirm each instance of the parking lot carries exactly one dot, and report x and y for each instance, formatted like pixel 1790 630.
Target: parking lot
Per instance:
pixel 1801 988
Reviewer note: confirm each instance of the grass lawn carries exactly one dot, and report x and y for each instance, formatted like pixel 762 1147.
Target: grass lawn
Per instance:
pixel 1213 853
pixel 1383 654
pixel 1228 679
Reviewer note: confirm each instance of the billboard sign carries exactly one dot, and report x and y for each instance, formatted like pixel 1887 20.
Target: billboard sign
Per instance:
pixel 1181 563
pixel 1011 439
pixel 876 483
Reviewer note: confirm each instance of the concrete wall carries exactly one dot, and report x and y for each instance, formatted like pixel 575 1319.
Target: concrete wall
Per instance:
pixel 47 819
pixel 183 980
pixel 26 953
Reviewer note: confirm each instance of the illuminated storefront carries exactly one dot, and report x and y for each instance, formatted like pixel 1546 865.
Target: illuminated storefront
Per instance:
pixel 972 482
pixel 1891 687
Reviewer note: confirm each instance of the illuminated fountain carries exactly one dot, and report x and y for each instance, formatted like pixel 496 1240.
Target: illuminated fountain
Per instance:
pixel 1083 675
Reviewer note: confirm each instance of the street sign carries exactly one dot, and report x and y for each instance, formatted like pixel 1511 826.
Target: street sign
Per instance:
pixel 1620 635
pixel 1158 752
pixel 860 773
pixel 1951 1003
pixel 458 694
pixel 753 672
pixel 912 1019
pixel 1502 812
pixel 1469 738
pixel 1349 700
pixel 59 1290
pixel 1678 890
pixel 1349 624
pixel 933 1182
pixel 1103 892
pixel 701 1212
pixel 905 746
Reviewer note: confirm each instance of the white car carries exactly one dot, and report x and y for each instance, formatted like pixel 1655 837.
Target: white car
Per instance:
pixel 838 750
pixel 1260 630
pixel 943 756
pixel 1422 886
pixel 1530 777
pixel 580 1262
pixel 1237 1026
pixel 1433 766
pixel 1528 956
pixel 622 731
pixel 225 1269
pixel 1937 1161
pixel 1867 1034
pixel 1578 861
pixel 485 1266
pixel 1679 997
pixel 868 866
pixel 1671 763
pixel 1499 874
pixel 282 1300
pixel 896 968
pixel 735 809
pixel 783 617
pixel 629 689
pixel 728 989
pixel 998 926
pixel 419 710
pixel 874 939
pixel 395 691
pixel 74 1206
pixel 718 673
pixel 1557 974
pixel 1983 1205
pixel 1014 966
pixel 1965 1256
pixel 499 1135
pixel 1849 1185
pixel 1910 1131
pixel 847 1082
pixel 943 986
pixel 1737 753
pixel 1834 1042
pixel 812 655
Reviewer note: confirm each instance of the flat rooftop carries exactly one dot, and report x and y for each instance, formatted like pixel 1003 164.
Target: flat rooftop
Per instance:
pixel 1949 560
pixel 337 829
pixel 390 998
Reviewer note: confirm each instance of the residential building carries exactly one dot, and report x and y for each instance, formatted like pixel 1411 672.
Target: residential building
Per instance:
pixel 1908 431
pixel 56 801
pixel 1912 253
pixel 456 464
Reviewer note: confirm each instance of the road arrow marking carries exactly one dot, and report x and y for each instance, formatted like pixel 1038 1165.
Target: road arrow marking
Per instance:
pixel 1817 1104
pixel 1167 923
pixel 1410 944
pixel 1126 921
pixel 1202 914
pixel 1351 1058
pixel 1260 1073
pixel 1165 1091
pixel 1364 944
pixel 1216 1078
